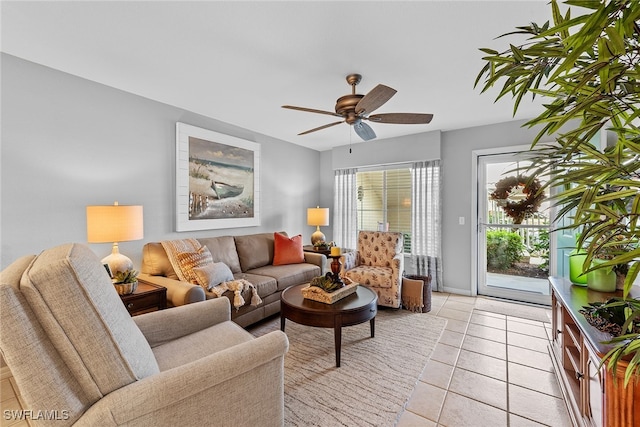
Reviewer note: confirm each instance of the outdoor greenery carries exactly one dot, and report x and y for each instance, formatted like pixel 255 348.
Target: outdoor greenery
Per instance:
pixel 504 248
pixel 586 68
pixel 540 248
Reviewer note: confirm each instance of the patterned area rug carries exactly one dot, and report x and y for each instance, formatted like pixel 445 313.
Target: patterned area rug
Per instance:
pixel 376 377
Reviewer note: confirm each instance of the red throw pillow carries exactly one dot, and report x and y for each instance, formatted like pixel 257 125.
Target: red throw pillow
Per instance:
pixel 287 250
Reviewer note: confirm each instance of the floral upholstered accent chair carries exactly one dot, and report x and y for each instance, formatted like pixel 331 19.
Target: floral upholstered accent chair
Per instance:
pixel 378 264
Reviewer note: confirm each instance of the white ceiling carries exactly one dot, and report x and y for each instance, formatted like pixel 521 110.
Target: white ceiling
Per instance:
pixel 239 61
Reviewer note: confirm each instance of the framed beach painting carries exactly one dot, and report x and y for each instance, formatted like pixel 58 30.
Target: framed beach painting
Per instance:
pixel 217 180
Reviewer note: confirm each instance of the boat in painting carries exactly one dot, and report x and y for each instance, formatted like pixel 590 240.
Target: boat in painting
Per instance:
pixel 224 191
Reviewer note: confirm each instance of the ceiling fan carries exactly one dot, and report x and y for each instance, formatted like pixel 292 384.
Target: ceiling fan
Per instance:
pixel 354 108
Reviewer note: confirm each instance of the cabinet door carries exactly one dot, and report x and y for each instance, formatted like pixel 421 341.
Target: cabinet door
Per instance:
pixel 594 389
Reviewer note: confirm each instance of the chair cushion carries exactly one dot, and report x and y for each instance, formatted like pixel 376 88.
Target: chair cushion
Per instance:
pixel 377 248
pixel 287 250
pixel 195 346
pixel 380 277
pixel 76 303
pixel 44 379
pixel 13 273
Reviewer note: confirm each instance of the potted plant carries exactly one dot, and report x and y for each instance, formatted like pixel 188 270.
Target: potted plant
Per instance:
pixel 321 245
pixel 125 282
pixel 585 67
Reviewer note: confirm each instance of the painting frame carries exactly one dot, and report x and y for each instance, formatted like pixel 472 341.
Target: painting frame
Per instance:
pixel 193 216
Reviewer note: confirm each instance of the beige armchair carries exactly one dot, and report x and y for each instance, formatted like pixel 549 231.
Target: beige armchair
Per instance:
pixel 377 263
pixel 78 358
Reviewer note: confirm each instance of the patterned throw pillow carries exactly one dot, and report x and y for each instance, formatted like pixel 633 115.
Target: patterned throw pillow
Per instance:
pixel 190 260
pixel 287 250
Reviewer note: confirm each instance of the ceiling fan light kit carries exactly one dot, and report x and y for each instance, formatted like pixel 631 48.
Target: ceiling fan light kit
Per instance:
pixel 354 108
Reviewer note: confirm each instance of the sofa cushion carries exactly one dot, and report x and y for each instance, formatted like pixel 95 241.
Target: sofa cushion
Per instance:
pixel 223 249
pixel 288 275
pixel 213 274
pixel 188 261
pixel 287 250
pixel 265 286
pixel 76 303
pixel 255 250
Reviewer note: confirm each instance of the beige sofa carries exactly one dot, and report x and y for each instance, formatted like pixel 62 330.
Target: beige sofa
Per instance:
pixel 80 359
pixel 249 257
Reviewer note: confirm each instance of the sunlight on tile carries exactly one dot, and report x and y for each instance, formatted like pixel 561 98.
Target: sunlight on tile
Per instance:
pixel 460 411
pixel 488 369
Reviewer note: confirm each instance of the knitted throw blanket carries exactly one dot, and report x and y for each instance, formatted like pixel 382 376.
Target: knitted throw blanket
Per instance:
pixel 174 247
pixel 237 286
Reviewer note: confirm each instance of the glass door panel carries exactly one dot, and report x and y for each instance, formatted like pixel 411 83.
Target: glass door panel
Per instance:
pixel 513 248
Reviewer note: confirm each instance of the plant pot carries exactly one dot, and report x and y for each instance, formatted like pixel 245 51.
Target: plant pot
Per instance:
pixel 576 260
pixel 126 288
pixel 602 279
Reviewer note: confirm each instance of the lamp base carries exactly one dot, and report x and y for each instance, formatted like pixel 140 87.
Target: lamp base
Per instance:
pixel 317 236
pixel 117 262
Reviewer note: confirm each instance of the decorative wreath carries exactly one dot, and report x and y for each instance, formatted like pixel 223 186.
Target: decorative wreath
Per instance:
pixel 524 208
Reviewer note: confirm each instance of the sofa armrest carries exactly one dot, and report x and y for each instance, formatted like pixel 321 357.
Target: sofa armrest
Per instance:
pixel 178 292
pixel 318 259
pixel 162 326
pixel 241 385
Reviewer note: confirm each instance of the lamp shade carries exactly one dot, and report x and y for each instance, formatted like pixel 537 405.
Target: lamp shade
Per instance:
pixel 318 216
pixel 114 223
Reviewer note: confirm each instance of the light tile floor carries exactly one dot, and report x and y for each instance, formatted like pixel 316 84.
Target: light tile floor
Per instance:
pixel 488 369
pixel 10 403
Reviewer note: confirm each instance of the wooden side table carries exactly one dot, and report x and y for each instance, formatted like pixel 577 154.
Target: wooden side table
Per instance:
pixel 148 297
pixel 310 248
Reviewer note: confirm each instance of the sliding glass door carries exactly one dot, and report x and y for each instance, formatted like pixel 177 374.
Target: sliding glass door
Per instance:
pixel 513 231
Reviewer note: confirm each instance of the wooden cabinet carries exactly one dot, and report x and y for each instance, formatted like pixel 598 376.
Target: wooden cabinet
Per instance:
pixel 592 395
pixel 147 297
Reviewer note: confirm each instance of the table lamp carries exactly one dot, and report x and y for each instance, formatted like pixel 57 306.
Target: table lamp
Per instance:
pixel 317 217
pixel 115 223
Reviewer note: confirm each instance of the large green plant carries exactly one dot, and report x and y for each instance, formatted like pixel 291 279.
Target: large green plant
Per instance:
pixel 587 70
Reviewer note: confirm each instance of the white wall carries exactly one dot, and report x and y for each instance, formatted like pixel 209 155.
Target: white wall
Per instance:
pixel 69 142
pixel 457 187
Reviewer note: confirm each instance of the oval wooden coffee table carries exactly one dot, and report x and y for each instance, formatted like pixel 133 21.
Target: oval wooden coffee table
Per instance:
pixel 354 309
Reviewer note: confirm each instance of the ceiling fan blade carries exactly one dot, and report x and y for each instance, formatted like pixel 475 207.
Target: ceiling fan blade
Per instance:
pixel 364 131
pixel 374 99
pixel 321 127
pixel 311 110
pixel 401 118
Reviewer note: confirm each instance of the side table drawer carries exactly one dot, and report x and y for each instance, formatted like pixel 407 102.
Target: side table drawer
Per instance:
pixel 146 298
pixel 144 302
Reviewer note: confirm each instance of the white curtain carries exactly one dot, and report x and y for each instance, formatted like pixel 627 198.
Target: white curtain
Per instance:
pixel 426 248
pixel 345 214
